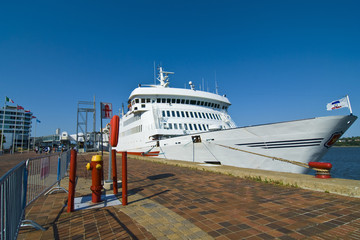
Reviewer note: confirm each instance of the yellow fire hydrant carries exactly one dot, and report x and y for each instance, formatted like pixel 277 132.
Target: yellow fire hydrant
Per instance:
pixel 96 166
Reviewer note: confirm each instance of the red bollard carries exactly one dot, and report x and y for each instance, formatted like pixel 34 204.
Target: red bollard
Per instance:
pixel 124 178
pixel 72 179
pixel 96 166
pixel 114 171
pixel 323 167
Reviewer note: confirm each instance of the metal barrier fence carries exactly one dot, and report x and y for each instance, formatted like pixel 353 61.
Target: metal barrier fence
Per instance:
pixel 11 201
pixel 24 184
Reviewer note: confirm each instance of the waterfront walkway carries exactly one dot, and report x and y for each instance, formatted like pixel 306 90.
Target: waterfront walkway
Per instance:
pixel 172 202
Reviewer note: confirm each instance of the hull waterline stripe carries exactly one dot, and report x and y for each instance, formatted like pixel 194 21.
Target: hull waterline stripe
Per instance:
pixel 287 141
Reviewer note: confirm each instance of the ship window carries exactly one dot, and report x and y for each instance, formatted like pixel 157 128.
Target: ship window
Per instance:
pixel 136 100
pixel 175 126
pixel 195 127
pixel 203 115
pixel 177 100
pixel 148 100
pixel 158 100
pixel 200 115
pixel 192 102
pixel 173 100
pixel 210 115
pixel 143 105
pixel 168 113
pixel 206 104
pixel 204 127
pixel 185 126
pixel 143 100
pixel 187 101
pixel 177 113
pixel 198 103
pixel 217 116
pixel 191 114
pixel 212 104
pixel 173 113
pixel 163 100
pixel 163 113
pixel 202 103
pixel 180 126
pixel 170 126
pixel 207 126
pixel 199 127
pixel 195 115
pixel 187 114
pixel 190 126
pixel 182 114
pixel 168 100
pixel 207 116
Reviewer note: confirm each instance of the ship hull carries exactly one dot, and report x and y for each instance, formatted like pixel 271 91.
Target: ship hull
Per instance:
pixel 276 147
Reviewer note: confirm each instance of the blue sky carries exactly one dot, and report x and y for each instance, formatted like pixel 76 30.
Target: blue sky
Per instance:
pixel 275 60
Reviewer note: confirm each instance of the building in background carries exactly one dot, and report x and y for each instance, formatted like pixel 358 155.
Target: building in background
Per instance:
pixel 16 124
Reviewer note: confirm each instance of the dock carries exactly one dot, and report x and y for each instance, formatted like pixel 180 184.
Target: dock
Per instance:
pixel 185 200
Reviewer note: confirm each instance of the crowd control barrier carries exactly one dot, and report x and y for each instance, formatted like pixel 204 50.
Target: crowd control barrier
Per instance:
pixel 24 184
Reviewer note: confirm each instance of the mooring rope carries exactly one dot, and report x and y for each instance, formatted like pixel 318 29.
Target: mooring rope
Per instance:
pixel 275 158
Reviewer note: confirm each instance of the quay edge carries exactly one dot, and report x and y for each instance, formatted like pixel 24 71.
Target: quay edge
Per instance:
pixel 345 187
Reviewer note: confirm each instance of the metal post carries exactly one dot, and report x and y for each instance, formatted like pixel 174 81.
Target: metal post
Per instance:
pixel 114 171
pixel 124 178
pixel 72 180
pixel 101 132
pixel 2 131
pixel 14 135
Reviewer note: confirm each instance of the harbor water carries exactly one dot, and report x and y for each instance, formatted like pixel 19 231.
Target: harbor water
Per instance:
pixel 345 161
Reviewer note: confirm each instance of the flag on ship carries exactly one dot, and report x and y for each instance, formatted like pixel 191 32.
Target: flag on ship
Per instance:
pixel 343 102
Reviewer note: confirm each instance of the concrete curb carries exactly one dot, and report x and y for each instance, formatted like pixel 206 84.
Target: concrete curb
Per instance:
pixel 339 186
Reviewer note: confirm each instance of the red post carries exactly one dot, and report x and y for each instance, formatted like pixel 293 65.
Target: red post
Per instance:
pixel 72 178
pixel 114 171
pixel 124 178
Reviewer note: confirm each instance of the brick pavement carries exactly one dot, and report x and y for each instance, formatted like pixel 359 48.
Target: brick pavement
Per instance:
pixel 223 207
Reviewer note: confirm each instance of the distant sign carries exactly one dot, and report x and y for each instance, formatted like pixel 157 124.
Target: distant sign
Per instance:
pixel 106 110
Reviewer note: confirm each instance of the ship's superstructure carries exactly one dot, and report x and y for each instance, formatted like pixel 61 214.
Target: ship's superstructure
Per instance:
pixel 193 125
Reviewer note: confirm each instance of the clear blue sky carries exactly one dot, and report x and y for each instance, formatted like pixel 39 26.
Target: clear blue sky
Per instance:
pixel 275 60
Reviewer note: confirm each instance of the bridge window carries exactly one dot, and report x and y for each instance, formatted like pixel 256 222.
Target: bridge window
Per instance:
pixel 175 126
pixel 177 113
pixel 185 126
pixel 190 126
pixel 191 114
pixel 182 114
pixel 170 126
pixel 180 126
pixel 195 127
pixel 163 113
pixel 199 127
pixel 168 113
pixel 187 114
pixel 195 115
pixel 173 100
pixel 182 101
pixel 173 113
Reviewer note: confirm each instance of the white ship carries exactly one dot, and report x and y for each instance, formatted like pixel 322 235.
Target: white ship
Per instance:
pixel 192 125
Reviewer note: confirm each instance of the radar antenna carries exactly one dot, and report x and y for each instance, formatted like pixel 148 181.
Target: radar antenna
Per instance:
pixel 163 77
